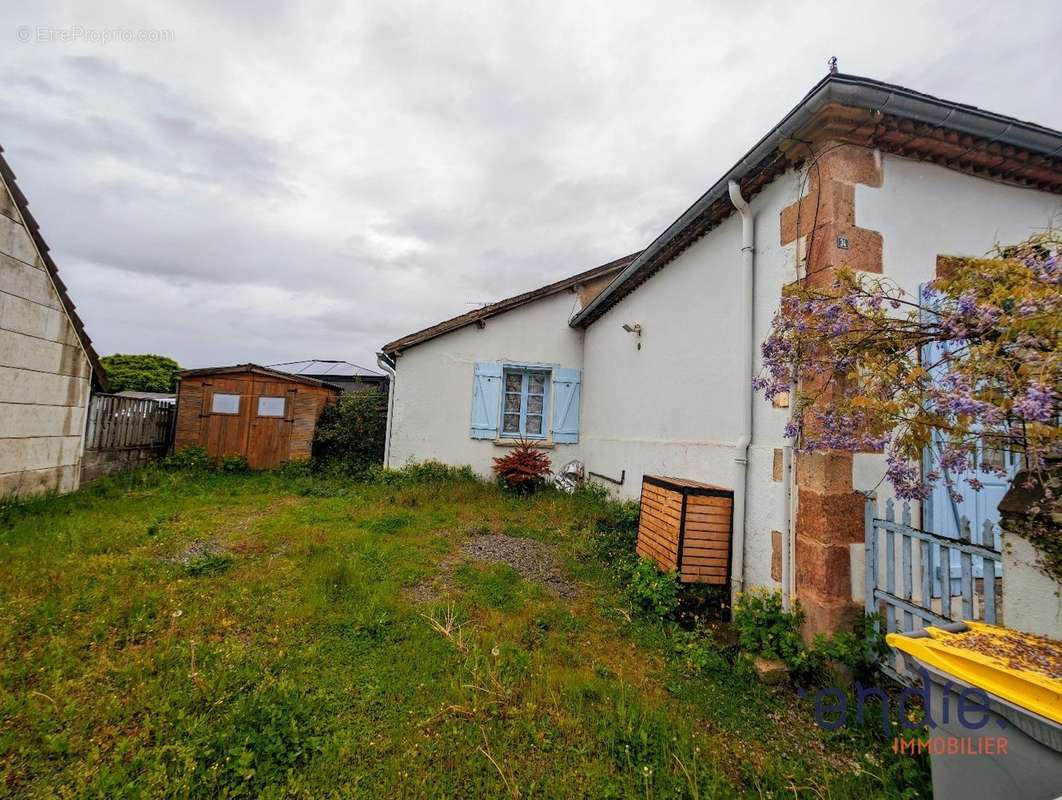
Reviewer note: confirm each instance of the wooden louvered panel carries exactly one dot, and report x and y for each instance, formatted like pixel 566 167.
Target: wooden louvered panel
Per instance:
pixel 686 526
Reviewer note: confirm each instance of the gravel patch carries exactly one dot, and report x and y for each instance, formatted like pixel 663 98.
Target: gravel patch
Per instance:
pixel 532 559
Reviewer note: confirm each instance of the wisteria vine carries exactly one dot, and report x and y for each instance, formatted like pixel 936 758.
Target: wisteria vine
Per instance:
pixel 970 370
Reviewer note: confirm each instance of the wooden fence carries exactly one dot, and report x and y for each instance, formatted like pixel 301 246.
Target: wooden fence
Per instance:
pixel 116 423
pixel 915 578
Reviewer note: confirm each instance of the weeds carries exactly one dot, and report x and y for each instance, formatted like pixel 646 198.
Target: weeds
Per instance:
pixel 183 632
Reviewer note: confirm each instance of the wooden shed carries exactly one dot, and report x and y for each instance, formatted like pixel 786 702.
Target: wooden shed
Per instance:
pixel 686 526
pixel 246 410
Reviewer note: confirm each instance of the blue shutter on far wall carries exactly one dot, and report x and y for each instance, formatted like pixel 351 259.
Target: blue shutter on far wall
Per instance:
pixel 486 399
pixel 566 390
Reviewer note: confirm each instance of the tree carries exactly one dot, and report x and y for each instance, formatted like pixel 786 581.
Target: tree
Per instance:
pixel 970 369
pixel 993 329
pixel 141 373
pixel 351 431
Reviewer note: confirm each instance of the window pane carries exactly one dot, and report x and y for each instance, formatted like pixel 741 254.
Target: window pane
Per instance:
pixel 513 381
pixel 534 424
pixel 270 406
pixel 225 404
pixel 534 404
pixel 512 403
pixel 512 423
pixel 536 383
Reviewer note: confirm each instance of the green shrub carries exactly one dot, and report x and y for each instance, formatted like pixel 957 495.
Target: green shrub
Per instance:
pixel 699 652
pixel 860 649
pixel 423 472
pixel 653 591
pixel 765 629
pixel 350 432
pixel 388 523
pixel 192 457
pixel 233 464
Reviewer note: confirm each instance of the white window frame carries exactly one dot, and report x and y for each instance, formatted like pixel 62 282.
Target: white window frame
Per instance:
pixel 213 403
pixel 283 406
pixel 526 370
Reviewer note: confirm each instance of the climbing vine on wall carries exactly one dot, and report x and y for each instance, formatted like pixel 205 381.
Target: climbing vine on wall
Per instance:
pixel 968 370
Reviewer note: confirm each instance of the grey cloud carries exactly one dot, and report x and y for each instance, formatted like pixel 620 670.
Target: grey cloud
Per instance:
pixel 281 182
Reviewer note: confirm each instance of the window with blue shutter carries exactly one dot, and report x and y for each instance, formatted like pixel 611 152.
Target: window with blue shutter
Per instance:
pixel 525 401
pixel 566 391
pixel 486 399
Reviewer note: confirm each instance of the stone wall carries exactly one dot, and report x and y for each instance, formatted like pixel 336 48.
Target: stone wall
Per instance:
pixel 829 509
pixel 44 371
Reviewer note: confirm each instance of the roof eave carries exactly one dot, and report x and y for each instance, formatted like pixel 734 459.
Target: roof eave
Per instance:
pixel 395 348
pixel 99 374
pixel 856 92
pixel 258 369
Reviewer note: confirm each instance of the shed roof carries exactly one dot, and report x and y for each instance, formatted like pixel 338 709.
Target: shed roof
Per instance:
pixel 894 119
pixel 501 306
pixel 329 367
pixel 99 375
pixel 258 370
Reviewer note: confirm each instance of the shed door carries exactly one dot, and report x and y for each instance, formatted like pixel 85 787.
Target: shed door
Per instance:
pixel 225 415
pixel 272 414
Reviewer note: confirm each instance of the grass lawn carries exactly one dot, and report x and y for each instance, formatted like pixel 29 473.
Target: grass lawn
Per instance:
pixel 210 635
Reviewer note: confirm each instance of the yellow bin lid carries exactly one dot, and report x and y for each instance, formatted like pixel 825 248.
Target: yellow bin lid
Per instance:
pixel 1022 668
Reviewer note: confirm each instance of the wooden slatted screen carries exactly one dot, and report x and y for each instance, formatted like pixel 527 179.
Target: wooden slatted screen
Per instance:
pixel 116 422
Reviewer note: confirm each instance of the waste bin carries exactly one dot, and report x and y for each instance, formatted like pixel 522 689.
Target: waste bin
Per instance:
pixel 994 710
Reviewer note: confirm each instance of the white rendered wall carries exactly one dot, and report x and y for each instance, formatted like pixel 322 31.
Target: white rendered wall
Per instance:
pixel 672 408
pixel 433 389
pixel 922 211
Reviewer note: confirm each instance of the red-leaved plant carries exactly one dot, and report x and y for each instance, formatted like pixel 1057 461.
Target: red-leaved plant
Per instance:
pixel 524 468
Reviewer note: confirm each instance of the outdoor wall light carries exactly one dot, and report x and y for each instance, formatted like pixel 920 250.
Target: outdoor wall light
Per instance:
pixel 636 329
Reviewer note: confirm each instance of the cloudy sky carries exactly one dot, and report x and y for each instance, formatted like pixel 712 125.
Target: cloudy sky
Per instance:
pixel 273 180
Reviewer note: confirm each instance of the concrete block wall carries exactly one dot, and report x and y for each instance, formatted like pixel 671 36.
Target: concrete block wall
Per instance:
pixel 44 373
pixel 98 463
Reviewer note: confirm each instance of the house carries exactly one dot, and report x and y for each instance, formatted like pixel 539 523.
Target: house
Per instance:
pixel 455 369
pixel 47 364
pixel 651 373
pixel 351 377
pixel 262 414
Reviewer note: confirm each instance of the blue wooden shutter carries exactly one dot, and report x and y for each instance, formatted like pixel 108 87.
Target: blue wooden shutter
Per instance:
pixel 486 399
pixel 566 386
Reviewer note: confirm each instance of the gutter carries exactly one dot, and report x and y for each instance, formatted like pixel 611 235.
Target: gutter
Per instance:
pixel 388 365
pixel 741 446
pixel 854 92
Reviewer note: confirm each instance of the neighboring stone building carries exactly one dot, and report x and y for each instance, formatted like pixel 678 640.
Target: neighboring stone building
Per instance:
pixel 47 364
pixel 859 173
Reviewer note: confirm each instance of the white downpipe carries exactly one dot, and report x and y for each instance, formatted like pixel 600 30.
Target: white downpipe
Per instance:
pixel 382 362
pixel 741 446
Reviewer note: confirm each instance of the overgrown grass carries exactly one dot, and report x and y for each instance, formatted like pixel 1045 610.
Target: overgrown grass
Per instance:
pixel 188 633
